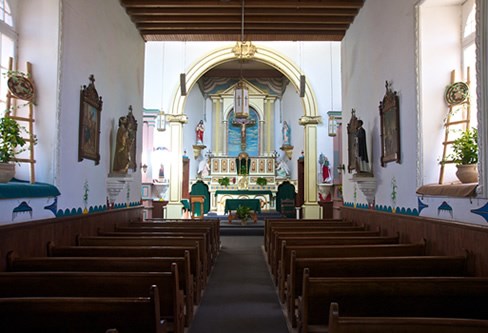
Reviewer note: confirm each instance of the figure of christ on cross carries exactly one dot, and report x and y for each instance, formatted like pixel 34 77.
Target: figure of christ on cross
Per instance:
pixel 243 123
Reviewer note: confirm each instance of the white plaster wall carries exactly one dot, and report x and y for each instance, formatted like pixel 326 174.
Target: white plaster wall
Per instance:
pixel 97 38
pixel 375 50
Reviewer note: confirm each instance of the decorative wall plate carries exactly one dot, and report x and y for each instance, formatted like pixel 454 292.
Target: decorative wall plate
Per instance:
pixel 457 93
pixel 21 87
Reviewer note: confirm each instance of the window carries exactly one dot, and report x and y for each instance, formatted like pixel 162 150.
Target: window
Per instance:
pixel 8 38
pixel 446 46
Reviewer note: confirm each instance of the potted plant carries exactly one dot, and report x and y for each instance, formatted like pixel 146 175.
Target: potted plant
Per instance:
pixel 465 155
pixel 243 213
pixel 11 143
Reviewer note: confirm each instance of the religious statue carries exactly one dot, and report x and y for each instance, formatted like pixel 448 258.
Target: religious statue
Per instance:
pixel 325 173
pixel 282 169
pixel 286 134
pixel 362 161
pixel 132 135
pixel 203 168
pixel 199 130
pixel 121 157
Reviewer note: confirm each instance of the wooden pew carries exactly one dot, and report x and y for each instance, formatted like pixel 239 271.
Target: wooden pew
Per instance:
pixel 163 227
pixel 185 234
pixel 277 222
pixel 447 297
pixel 324 240
pixel 152 241
pixel 340 324
pixel 278 236
pixel 315 251
pixel 363 267
pixel 82 314
pixel 194 275
pixel 112 264
pixel 303 229
pixel 212 224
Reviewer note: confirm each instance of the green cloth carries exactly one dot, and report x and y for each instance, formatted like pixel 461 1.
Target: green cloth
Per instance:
pixel 200 188
pixel 285 191
pixel 24 189
pixel 232 204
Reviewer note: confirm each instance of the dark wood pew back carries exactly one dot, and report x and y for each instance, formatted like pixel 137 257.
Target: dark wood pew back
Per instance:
pixel 100 284
pixel 324 240
pixel 278 236
pixel 449 297
pixel 193 254
pixel 311 251
pixel 105 264
pixel 151 241
pixel 340 324
pixel 277 222
pixel 82 314
pixel 364 267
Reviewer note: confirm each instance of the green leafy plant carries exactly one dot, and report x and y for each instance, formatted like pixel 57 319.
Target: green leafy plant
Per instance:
pixel 11 140
pixel 261 181
pixel 465 148
pixel 224 181
pixel 243 212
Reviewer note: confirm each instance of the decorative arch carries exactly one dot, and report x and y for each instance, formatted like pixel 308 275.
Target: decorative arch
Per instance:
pixel 309 120
pixel 264 55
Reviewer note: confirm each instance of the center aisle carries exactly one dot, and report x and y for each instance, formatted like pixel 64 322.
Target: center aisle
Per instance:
pixel 240 295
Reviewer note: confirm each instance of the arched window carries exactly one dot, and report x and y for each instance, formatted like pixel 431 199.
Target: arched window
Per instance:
pixel 8 40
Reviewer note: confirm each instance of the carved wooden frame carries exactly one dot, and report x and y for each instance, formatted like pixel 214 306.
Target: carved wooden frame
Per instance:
pixel 89 130
pixel 390 126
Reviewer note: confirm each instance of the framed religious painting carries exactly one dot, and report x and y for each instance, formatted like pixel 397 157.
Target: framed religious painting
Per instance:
pixel 89 130
pixel 390 126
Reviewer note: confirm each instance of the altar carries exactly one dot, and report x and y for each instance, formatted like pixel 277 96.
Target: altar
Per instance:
pixel 229 180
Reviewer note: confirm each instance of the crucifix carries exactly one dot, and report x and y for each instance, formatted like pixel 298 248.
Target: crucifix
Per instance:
pixel 243 123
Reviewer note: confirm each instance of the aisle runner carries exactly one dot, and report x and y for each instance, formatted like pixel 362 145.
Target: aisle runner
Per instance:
pixel 240 296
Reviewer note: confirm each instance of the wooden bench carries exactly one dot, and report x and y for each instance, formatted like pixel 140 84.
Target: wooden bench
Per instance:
pixel 279 222
pixel 363 267
pixel 447 297
pixel 194 275
pixel 212 224
pixel 152 241
pixel 315 251
pixel 325 240
pixel 163 227
pixel 82 314
pixel 308 228
pixel 278 236
pixel 185 234
pixel 340 324
pixel 114 264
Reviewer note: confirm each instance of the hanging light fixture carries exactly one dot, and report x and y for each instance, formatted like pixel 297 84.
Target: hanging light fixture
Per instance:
pixel 161 121
pixel 244 51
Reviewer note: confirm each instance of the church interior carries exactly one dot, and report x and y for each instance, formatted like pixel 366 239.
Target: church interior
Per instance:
pixel 244 165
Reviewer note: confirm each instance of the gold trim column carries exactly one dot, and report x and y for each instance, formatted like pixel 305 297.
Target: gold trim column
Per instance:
pixel 217 123
pixel 310 208
pixel 269 109
pixel 175 122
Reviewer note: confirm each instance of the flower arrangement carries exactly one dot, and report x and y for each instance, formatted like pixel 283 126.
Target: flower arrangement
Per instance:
pixel 261 181
pixel 243 212
pixel 225 181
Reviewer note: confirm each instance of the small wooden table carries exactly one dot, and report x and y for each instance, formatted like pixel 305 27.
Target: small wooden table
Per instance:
pixel 232 204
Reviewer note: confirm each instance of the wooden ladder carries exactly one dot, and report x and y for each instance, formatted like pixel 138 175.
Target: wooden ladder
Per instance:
pixel 464 121
pixel 27 120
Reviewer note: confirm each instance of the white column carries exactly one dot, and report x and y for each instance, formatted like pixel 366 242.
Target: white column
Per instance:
pixel 269 105
pixel 216 131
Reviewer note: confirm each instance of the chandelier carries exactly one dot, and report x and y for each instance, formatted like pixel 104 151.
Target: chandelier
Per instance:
pixel 243 50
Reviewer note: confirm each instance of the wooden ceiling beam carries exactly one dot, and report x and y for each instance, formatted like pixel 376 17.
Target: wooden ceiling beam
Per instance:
pixel 248 22
pixel 232 12
pixel 248 4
